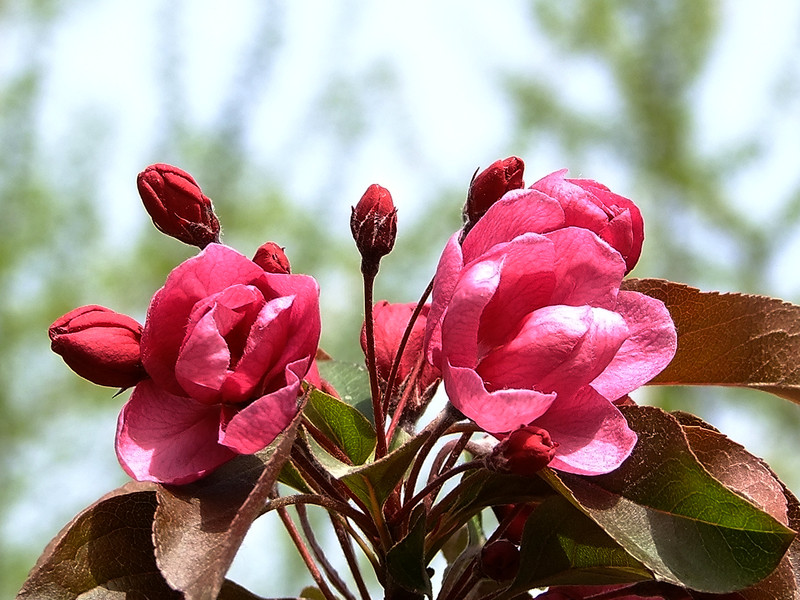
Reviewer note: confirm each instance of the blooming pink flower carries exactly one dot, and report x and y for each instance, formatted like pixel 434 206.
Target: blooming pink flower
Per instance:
pixel 528 326
pixel 226 346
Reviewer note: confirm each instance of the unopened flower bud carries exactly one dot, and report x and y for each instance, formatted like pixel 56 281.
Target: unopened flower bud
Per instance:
pixel 525 451
pixel 272 259
pixel 490 185
pixel 177 205
pixel 500 560
pixel 516 526
pixel 100 345
pixel 374 224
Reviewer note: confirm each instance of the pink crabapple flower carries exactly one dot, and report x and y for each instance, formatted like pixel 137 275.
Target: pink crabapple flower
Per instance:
pixel 529 327
pixel 226 346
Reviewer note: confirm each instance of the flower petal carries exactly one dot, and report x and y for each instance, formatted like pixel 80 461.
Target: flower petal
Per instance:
pixel 496 412
pixel 203 361
pixel 559 349
pixel 475 289
pixel 650 346
pixel 215 268
pixel 516 213
pixel 257 425
pixel 444 284
pixel 592 434
pixel 526 283
pixel 587 270
pixel 166 438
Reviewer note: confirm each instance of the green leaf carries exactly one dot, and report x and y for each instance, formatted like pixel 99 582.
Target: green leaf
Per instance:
pixel 562 546
pixel 405 560
pixel 105 552
pixel 351 382
pixel 668 512
pixel 750 477
pixel 729 339
pixel 342 424
pixel 479 489
pixel 374 482
pixel 199 527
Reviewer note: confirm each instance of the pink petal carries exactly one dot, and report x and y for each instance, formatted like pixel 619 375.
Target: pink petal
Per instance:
pixel 593 435
pixel 559 349
pixel 475 289
pixel 444 284
pixel 496 412
pixel 651 344
pixel 516 213
pixel 168 439
pixel 268 335
pixel 257 425
pixel 303 319
pixel 526 283
pixel 203 362
pixel 587 270
pixel 580 209
pixel 211 271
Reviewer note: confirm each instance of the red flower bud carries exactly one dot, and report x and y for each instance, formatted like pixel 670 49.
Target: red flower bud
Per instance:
pixel 177 205
pixel 374 223
pixel 500 560
pixel 490 185
pixel 515 528
pixel 272 259
pixel 100 345
pixel 525 451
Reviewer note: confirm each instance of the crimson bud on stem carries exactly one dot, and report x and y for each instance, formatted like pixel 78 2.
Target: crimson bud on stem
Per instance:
pixel 374 224
pixel 490 185
pixel 525 451
pixel 272 259
pixel 177 205
pixel 500 560
pixel 100 345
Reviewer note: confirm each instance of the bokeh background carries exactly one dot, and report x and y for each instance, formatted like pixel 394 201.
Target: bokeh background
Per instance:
pixel 286 111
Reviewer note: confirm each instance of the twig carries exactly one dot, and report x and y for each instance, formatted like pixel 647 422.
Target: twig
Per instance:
pixel 330 571
pixel 291 529
pixel 349 555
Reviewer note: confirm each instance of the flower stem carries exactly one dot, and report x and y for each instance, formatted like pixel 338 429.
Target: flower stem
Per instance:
pixel 369 330
pixel 347 549
pixel 330 571
pixel 403 342
pixel 291 529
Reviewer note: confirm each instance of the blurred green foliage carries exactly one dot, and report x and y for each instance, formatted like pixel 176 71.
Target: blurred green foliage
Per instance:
pixel 54 254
